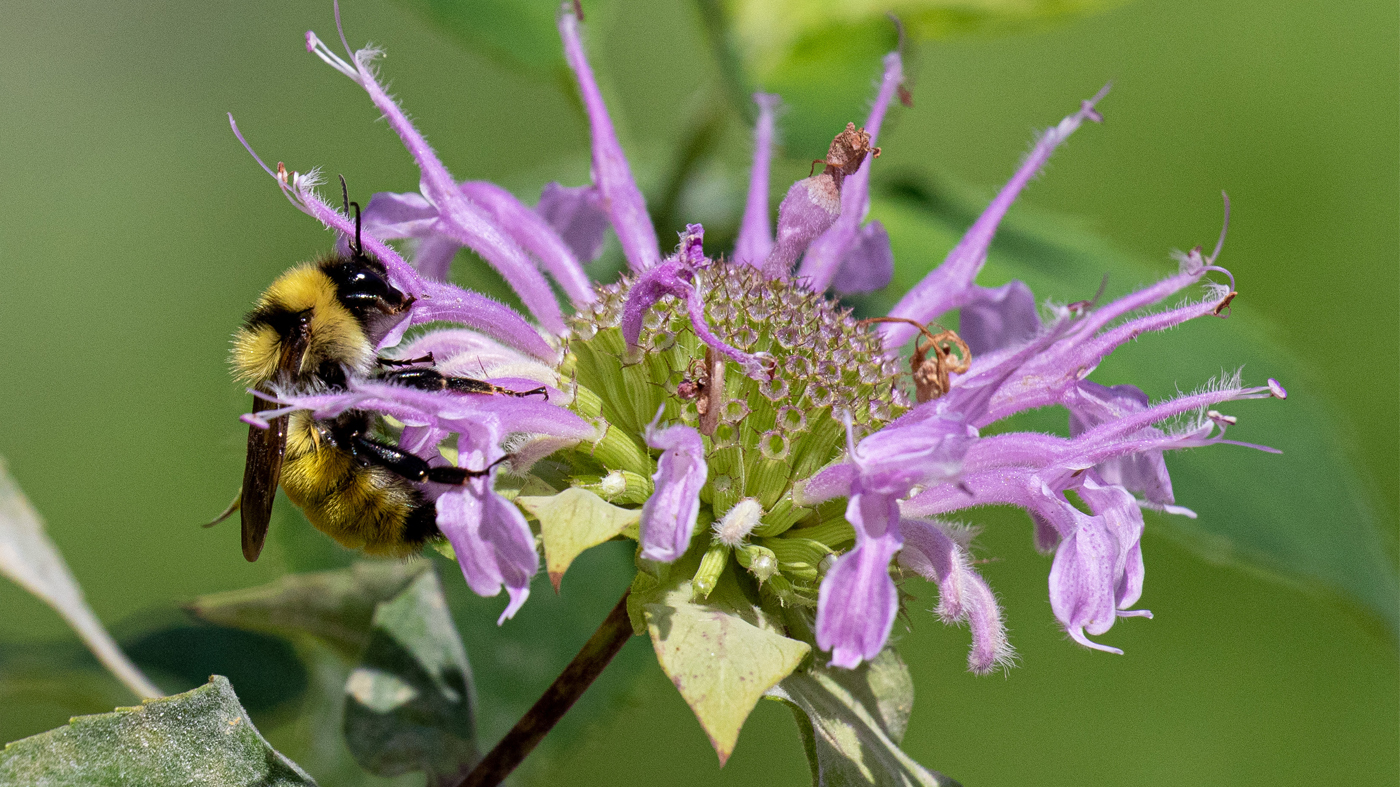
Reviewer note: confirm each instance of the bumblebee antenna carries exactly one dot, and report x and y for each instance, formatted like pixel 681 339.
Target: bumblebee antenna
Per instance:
pixel 359 247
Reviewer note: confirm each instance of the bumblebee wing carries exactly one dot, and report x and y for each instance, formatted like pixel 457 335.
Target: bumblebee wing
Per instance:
pixel 267 447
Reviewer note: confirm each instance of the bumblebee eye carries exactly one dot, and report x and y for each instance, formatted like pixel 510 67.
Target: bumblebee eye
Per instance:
pixel 362 288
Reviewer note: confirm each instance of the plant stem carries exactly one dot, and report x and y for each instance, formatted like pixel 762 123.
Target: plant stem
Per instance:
pixel 595 654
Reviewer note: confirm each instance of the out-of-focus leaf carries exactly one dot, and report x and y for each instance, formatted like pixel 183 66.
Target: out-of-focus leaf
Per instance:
pixel 821 55
pixel 852 721
pixel 522 35
pixel 43 686
pixel 200 737
pixel 722 653
pixel 182 654
pixel 1300 515
pixel 572 521
pixel 410 704
pixel 336 607
pixel 28 557
pixel 514 663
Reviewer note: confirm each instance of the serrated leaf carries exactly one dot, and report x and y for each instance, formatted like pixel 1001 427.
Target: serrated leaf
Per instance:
pixel 28 557
pixel 410 702
pixel 200 737
pixel 337 607
pixel 821 55
pixel 572 521
pixel 851 723
pixel 1299 515
pixel 722 654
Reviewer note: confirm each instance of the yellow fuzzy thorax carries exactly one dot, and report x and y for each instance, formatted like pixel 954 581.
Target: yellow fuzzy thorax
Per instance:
pixel 335 334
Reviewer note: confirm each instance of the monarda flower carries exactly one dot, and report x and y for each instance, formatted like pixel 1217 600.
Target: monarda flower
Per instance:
pixel 778 462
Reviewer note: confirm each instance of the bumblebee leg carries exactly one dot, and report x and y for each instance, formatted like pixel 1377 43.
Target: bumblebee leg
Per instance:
pixel 410 466
pixel 405 362
pixel 433 380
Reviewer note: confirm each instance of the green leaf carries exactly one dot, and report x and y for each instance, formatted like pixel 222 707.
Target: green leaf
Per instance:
pixel 722 654
pixel 521 35
pixel 28 557
pixel 410 703
pixel 337 607
pixel 200 737
pixel 572 521
pixel 852 721
pixel 1301 515
pixel 820 55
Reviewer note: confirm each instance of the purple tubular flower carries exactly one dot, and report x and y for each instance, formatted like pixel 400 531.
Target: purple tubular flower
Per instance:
pixel 868 265
pixel 611 175
pixel 1091 404
pixel 668 516
pixel 950 285
pixel 1047 378
pixel 858 601
pixel 468 353
pixel 490 536
pixel 575 214
pixel 843 247
pixel 458 217
pixel 1097 573
pixel 1098 566
pixel 755 233
pixel 938 552
pixel 999 318
pixel 392 215
pixel 677 277
pixel 444 302
pixel 808 209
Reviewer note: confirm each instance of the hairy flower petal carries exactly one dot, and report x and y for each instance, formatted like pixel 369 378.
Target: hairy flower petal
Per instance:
pixel 1093 404
pixel 950 285
pixel 668 516
pixel 442 302
pixel 829 252
pixel 810 207
pixel 623 200
pixel 857 601
pixel 458 217
pixel 755 233
pixel 930 551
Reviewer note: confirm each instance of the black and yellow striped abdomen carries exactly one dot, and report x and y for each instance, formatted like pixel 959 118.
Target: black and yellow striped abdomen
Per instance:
pixel 365 508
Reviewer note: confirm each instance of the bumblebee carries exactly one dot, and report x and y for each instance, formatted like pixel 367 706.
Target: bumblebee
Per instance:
pixel 316 327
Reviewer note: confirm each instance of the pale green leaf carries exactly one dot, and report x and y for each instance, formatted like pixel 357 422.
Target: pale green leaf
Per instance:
pixel 200 737
pixel 722 654
pixel 28 557
pixel 336 607
pixel 1300 515
pixel 410 701
pixel 851 723
pixel 572 521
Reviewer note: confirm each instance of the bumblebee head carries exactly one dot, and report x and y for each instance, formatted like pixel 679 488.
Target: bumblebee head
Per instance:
pixel 317 318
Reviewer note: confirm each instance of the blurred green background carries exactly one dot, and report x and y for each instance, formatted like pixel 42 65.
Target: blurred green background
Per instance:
pixel 135 231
